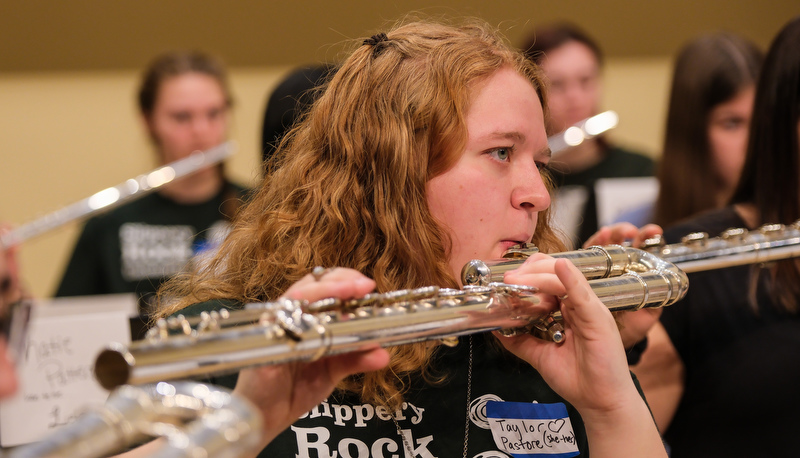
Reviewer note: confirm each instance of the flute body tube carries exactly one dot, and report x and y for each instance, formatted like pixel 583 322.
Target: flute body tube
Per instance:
pixel 696 252
pixel 131 189
pixel 283 331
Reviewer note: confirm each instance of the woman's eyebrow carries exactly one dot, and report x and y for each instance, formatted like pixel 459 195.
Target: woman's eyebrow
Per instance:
pixel 510 135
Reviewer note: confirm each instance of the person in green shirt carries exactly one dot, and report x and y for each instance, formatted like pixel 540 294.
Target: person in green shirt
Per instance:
pixel 185 103
pixel 572 64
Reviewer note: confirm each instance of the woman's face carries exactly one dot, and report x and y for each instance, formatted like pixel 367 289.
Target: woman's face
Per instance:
pixel 490 199
pixel 190 114
pixel 728 127
pixel 573 76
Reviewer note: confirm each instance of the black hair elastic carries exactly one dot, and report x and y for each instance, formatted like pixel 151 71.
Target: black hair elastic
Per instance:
pixel 375 41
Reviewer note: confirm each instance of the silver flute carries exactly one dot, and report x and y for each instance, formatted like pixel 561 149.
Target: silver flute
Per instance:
pixel 109 198
pixel 623 278
pixel 696 252
pixel 196 419
pixel 583 130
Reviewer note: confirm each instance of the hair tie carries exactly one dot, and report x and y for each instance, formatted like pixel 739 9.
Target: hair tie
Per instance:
pixel 375 41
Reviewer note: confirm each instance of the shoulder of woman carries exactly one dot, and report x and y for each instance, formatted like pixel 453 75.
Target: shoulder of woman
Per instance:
pixel 713 222
pixel 209 306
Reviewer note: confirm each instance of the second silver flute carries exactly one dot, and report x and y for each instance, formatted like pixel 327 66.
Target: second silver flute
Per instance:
pixel 283 331
pixel 696 252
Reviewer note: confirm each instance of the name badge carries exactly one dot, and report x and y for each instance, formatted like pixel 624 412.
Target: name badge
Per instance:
pixel 532 430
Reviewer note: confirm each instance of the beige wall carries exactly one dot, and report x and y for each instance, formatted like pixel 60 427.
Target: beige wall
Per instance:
pixel 125 34
pixel 64 136
pixel 638 90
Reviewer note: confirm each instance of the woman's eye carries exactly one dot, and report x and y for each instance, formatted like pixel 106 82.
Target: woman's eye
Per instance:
pixel 732 124
pixel 501 154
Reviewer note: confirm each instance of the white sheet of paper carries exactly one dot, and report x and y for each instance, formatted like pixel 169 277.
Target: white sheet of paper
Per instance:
pixel 617 195
pixel 567 211
pixel 56 383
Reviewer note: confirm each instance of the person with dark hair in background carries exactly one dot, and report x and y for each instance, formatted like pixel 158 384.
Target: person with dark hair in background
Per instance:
pixel 708 120
pixel 426 149
pixel 572 63
pixel 288 101
pixel 722 369
pixel 185 102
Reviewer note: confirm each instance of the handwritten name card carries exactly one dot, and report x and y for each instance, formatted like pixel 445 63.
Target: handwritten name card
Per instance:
pixel 56 381
pixel 532 430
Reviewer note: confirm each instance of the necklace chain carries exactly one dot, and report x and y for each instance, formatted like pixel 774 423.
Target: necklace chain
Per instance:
pixel 409 450
pixel 469 399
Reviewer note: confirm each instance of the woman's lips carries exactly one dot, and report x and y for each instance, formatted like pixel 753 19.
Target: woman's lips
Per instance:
pixel 506 244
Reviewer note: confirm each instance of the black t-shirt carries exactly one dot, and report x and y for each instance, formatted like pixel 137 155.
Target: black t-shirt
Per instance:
pixel 742 363
pixel 432 418
pixel 135 247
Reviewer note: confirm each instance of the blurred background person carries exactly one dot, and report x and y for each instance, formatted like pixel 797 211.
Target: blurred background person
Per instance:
pixel 708 120
pixel 288 101
pixel 572 63
pixel 722 369
pixel 185 104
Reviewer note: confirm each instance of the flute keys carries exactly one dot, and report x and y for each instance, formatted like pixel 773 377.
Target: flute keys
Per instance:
pixel 695 239
pixel 516 292
pixel 549 329
pixel 771 229
pixel 325 305
pixel 210 321
pixel 734 234
pixel 293 320
pixel 653 244
pixel 158 332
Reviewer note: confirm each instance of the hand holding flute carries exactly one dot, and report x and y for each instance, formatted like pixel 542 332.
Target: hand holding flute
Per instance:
pixel 634 326
pixel 296 387
pixel 589 367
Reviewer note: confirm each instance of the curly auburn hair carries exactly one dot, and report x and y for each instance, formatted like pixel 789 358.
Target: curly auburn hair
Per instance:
pixel 348 185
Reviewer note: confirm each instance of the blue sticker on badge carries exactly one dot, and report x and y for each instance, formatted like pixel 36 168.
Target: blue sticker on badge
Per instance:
pixel 532 430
